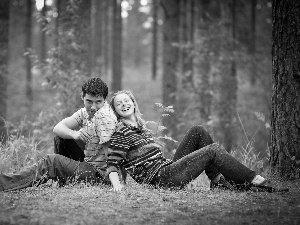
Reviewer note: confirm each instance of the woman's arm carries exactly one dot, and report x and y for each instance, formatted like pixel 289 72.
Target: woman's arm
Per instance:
pixel 114 179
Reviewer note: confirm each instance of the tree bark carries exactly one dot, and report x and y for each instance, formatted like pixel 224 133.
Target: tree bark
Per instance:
pixel 28 31
pixel 186 41
pixel 285 121
pixel 253 41
pixel 4 21
pixel 170 61
pixel 154 39
pixel 228 84
pixel 96 37
pixel 106 36
pixel 203 64
pixel 43 33
pixel 117 47
pixel 93 37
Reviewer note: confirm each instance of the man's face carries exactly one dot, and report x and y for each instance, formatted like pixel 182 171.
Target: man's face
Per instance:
pixel 92 103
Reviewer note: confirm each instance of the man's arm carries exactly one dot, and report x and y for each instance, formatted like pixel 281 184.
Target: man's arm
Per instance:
pixel 67 129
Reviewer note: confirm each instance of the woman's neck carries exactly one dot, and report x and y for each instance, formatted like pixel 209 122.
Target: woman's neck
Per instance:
pixel 132 121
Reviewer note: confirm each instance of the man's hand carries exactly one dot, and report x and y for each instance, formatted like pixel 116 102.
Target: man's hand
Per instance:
pixel 82 135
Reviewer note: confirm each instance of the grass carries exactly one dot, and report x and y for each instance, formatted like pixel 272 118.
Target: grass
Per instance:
pixel 85 204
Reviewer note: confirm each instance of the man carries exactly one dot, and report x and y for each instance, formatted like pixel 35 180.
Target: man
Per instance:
pixel 74 132
pixel 81 136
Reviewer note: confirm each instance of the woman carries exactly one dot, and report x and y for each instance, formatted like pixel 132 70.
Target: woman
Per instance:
pixel 133 147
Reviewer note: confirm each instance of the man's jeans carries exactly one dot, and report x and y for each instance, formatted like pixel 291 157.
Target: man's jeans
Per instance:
pixel 53 166
pixel 198 153
pixel 69 148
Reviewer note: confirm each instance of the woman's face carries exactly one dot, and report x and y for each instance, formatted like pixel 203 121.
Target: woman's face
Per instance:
pixel 124 106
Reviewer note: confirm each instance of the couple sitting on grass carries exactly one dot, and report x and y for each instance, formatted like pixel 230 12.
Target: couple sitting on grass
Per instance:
pixel 116 141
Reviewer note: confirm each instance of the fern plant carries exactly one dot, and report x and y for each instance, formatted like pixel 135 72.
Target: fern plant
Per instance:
pixel 159 128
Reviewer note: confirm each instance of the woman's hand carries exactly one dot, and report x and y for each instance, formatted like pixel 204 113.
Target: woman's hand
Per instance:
pixel 118 187
pixel 114 179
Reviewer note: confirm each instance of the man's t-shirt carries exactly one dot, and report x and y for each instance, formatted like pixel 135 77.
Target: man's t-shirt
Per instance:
pixel 101 127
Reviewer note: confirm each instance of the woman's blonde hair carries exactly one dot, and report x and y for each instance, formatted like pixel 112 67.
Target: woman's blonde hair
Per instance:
pixel 137 113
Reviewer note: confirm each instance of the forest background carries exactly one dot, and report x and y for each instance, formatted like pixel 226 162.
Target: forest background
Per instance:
pixel 211 61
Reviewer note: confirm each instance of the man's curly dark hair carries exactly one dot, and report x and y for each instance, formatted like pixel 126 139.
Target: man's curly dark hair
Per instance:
pixel 95 87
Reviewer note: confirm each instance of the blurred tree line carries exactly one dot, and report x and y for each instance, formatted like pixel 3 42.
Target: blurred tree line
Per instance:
pixel 213 58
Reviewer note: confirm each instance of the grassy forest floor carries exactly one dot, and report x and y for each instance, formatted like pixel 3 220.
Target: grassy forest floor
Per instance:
pixel 196 204
pixel 84 204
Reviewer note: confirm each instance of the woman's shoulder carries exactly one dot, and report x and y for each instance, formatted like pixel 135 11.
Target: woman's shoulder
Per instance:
pixel 120 126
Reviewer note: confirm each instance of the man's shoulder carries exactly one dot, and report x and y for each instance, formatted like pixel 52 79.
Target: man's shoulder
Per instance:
pixel 80 115
pixel 105 112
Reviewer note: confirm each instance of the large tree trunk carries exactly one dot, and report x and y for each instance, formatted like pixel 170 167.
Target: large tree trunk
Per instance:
pixel 4 21
pixel 228 84
pixel 117 47
pixel 170 60
pixel 285 122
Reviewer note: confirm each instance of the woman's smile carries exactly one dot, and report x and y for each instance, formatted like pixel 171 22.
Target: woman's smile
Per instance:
pixel 124 106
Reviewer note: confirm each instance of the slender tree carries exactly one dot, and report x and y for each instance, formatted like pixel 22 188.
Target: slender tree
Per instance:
pixel 70 62
pixel 117 47
pixel 28 32
pixel 96 37
pixel 285 129
pixel 228 83
pixel 187 33
pixel 203 61
pixel 4 21
pixel 43 24
pixel 106 36
pixel 252 47
pixel 170 32
pixel 154 38
pixel 93 36
pixel 99 35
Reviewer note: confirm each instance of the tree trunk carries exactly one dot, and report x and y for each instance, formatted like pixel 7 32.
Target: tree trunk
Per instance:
pixel 117 47
pixel 285 121
pixel 43 33
pixel 186 42
pixel 4 21
pixel 252 48
pixel 170 61
pixel 96 37
pixel 204 65
pixel 228 83
pixel 154 39
pixel 93 37
pixel 106 36
pixel 28 31
pixel 71 58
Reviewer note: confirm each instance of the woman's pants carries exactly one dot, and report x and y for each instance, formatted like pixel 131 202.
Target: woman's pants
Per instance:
pixel 198 153
pixel 53 166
